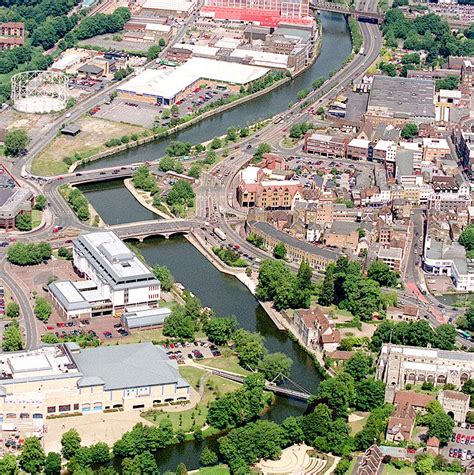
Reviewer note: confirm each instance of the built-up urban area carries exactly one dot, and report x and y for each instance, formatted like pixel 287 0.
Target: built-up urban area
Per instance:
pixel 236 236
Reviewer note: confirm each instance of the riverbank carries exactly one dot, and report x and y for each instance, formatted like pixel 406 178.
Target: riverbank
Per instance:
pixel 280 320
pixel 141 199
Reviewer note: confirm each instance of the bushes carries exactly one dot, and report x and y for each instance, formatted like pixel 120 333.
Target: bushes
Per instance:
pixel 42 309
pixel 355 34
pixel 28 254
pixel 77 201
pixel 229 257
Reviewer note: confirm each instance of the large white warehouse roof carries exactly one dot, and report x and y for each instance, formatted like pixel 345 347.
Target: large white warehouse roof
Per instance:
pixel 168 83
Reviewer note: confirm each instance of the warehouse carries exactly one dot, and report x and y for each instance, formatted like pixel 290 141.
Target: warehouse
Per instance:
pixel 167 86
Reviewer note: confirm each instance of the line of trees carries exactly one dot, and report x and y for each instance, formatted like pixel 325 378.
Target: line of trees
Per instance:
pixel 77 201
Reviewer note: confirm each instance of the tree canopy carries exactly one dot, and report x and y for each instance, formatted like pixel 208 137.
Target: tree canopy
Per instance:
pixel 16 141
pixel 28 254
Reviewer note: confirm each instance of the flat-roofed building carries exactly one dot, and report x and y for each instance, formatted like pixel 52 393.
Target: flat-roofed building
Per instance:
pixel 435 149
pixel 392 256
pixel 326 145
pixel 401 365
pixel 385 151
pixel 343 234
pixel 167 86
pixel 358 149
pixel 398 100
pixel 164 8
pixel 117 272
pixel 65 379
pixel 145 318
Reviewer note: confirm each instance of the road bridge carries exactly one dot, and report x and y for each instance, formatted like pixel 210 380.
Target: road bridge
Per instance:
pixel 143 229
pixel 368 17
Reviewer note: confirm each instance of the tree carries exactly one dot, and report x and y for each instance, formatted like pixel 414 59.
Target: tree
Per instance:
pixel 444 337
pixel 162 42
pixel 215 143
pixel 32 457
pixel 147 463
pixel 369 394
pixel 327 293
pixel 70 443
pixel 195 171
pixel 449 83
pixel 181 193
pixel 440 425
pixel 15 142
pixel 179 325
pixel 358 366
pixel 12 338
pixel 153 52
pixel 42 309
pixel 65 253
pixel 337 393
pixel 279 251
pixel 52 465
pixel 221 330
pixel 208 457
pixel 316 423
pixel 166 114
pixel 244 132
pixel 381 273
pixel 466 238
pixel 13 310
pixel 100 453
pixel 40 202
pixel 249 347
pixel 261 150
pixel 23 222
pixel 468 388
pixel 8 465
pixel 181 469
pixel 424 465
pixel 131 466
pixel 388 68
pixel 232 134
pixel 275 366
pixel 164 275
pixel 409 130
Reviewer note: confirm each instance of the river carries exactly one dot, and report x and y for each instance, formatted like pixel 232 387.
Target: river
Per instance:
pixel 336 47
pixel 223 293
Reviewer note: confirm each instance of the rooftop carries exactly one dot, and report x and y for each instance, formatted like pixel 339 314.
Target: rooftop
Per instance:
pixel 112 260
pixel 402 97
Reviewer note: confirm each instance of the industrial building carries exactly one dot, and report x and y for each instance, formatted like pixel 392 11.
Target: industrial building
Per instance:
pixel 397 100
pixel 263 12
pixel 65 379
pixel 167 86
pixel 117 280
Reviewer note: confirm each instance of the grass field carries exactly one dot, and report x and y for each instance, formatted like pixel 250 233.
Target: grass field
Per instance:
pixel 228 363
pixel 216 470
pixel 391 470
pixel 196 417
pixel 90 140
pixel 357 426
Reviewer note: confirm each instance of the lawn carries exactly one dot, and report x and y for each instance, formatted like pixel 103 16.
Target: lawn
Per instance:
pixel 216 470
pixel 140 337
pixel 391 470
pixel 36 216
pixel 227 363
pixel 186 420
pixel 356 426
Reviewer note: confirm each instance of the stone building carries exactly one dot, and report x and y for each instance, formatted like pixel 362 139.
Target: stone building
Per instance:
pixel 399 365
pixel 455 404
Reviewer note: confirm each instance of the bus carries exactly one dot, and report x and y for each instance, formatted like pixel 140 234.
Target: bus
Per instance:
pixel 464 334
pixel 220 234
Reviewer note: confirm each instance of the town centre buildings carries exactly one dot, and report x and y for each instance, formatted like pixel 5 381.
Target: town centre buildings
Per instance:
pixel 64 379
pixel 167 86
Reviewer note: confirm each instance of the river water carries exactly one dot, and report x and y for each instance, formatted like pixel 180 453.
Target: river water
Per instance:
pixel 335 48
pixel 223 293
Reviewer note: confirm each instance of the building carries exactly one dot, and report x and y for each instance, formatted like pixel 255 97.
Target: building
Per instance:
pixel 316 330
pixel 270 13
pixel 401 424
pixel 343 234
pixel 297 251
pixel 399 365
pixel 358 149
pixel 418 401
pixel 455 404
pixel 384 151
pixel 65 379
pixel 117 281
pixel 406 313
pixel 168 86
pixel 397 100
pixel 14 200
pixel 326 145
pixel 145 318
pixel 12 34
pixel 392 256
pixel 370 463
pixel 435 149
pixel 166 8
